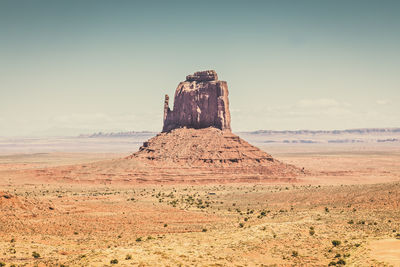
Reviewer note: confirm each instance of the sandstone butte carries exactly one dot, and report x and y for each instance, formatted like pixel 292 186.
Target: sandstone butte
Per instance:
pixel 200 102
pixel 196 145
pixel 197 134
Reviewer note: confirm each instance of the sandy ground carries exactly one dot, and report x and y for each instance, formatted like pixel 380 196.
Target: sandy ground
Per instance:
pixel 346 211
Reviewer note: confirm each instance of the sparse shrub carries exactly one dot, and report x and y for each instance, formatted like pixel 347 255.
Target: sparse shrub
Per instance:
pixel 114 261
pixel 338 255
pixel 312 232
pixel 336 243
pixel 397 236
pixel 350 222
pixel 204 230
pixel 357 245
pixel 165 225
pixel 246 219
pixel 128 257
pixel 35 255
pixel 332 263
pixel 241 225
pixel 295 253
pixel 2 264
pixel 326 209
pixel 341 262
pixel 139 239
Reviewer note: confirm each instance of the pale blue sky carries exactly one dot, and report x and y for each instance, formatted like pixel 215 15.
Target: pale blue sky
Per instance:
pixel 70 67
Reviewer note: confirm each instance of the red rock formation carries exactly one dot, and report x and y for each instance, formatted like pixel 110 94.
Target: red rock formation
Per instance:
pixel 210 154
pixel 196 146
pixel 200 102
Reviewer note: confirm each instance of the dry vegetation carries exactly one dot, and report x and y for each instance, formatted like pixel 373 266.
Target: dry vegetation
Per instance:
pixel 308 223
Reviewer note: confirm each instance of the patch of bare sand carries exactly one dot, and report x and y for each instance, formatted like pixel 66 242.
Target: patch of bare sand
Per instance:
pixel 386 250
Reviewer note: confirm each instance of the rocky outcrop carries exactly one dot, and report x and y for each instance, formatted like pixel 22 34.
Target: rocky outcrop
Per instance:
pixel 210 154
pixel 203 147
pixel 200 102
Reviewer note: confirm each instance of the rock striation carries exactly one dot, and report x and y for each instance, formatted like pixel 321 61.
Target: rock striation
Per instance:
pixel 201 101
pixel 208 155
pixel 203 147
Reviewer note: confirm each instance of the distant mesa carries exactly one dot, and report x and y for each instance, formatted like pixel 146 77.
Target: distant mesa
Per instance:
pixel 200 101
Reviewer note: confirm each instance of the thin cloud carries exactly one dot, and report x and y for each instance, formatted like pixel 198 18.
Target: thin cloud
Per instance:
pixel 318 103
pixel 382 102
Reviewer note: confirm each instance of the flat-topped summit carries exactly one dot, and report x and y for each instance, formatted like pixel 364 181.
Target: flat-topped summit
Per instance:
pixel 203 76
pixel 201 101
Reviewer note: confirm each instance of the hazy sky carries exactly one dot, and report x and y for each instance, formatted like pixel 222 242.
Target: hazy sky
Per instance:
pixel 70 67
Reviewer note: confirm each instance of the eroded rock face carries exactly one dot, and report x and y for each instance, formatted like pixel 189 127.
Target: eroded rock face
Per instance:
pixel 200 102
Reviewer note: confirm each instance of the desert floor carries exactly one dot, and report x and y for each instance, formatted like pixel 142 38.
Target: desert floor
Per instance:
pixel 346 211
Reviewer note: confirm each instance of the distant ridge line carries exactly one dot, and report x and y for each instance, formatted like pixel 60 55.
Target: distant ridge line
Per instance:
pixel 346 131
pixel 357 130
pixel 116 134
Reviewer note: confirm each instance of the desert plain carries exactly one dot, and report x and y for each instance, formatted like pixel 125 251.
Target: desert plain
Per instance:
pixel 344 211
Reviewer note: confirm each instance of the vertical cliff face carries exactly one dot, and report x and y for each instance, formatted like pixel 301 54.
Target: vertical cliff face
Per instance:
pixel 200 102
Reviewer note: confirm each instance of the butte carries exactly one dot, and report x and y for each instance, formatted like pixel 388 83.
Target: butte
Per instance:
pixel 196 145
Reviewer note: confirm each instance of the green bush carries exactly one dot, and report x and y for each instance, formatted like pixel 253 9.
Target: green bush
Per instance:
pixel 128 257
pixel 114 261
pixel 336 243
pixel 35 255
